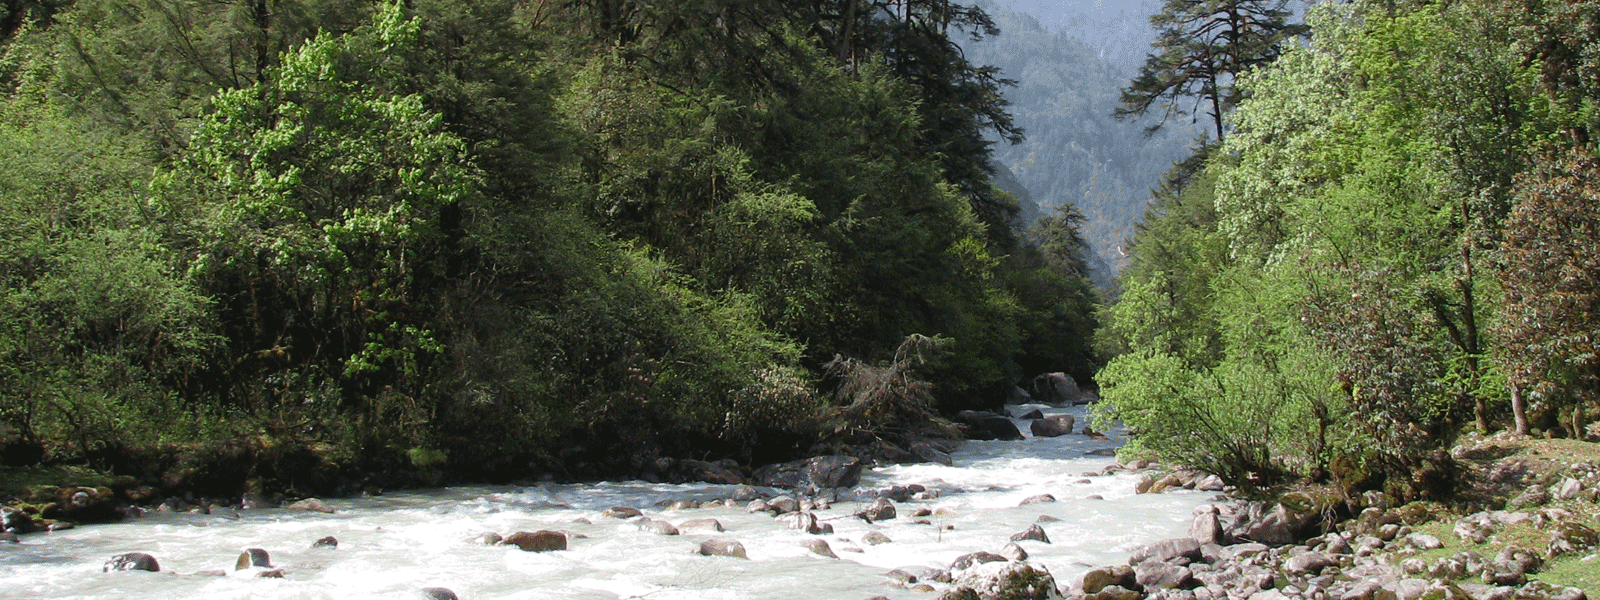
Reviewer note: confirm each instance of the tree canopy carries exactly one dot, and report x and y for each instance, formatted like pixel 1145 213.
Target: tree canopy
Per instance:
pixel 501 239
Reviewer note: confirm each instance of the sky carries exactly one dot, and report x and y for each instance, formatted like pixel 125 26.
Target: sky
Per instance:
pixel 1058 14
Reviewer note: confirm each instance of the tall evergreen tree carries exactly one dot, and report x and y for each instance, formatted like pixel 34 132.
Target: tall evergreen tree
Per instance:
pixel 1200 48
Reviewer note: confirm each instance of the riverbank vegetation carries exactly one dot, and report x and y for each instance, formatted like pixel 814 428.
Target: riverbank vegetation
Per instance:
pixel 315 241
pixel 1391 243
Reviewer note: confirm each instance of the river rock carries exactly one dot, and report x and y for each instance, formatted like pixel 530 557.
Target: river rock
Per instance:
pixel 1309 563
pixel 1052 426
pixel 723 547
pixel 253 558
pixel 1570 537
pixel 874 538
pixel 801 521
pixel 488 538
pixel 977 425
pixel 820 472
pixel 132 561
pixel 1037 499
pixel 1186 549
pixel 1098 579
pixel 745 493
pixel 622 512
pixel 1014 552
pixel 1056 389
pixel 684 470
pixel 1034 532
pixel 1005 581
pixel 1207 526
pixel 901 493
pixel 311 505
pixel 657 527
pixel 1032 414
pixel 438 593
pixel 701 525
pixel 16 521
pixel 1423 541
pixel 543 540
pixel 1274 524
pixel 820 547
pixel 1540 590
pixel 967 561
pixel 1156 575
pixel 270 574
pixel 328 543
pixel 880 510
pixel 930 453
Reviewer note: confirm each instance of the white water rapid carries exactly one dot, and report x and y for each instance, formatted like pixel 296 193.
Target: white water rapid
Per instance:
pixel 392 546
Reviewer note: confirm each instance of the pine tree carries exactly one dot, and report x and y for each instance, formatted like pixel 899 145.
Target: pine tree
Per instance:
pixel 1200 48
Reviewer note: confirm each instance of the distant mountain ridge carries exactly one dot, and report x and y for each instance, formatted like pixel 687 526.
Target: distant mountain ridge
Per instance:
pixel 1075 151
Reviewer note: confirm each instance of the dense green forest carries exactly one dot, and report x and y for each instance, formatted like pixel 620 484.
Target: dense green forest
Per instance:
pixel 1076 152
pixel 495 239
pixel 1394 244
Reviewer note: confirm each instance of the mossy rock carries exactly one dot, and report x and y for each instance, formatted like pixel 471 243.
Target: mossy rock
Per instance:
pixel 1415 513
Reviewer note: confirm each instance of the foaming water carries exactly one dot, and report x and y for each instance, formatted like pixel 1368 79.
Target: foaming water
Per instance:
pixel 394 545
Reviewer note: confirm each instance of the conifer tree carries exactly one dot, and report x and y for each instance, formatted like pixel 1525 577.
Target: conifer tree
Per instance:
pixel 1201 47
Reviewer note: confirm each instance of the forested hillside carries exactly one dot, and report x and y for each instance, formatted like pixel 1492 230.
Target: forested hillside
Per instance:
pixel 497 238
pixel 1394 245
pixel 1076 151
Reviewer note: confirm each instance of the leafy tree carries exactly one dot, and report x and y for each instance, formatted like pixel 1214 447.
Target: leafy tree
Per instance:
pixel 1551 280
pixel 1201 47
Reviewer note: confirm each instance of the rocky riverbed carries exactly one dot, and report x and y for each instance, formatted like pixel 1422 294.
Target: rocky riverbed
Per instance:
pixel 1047 516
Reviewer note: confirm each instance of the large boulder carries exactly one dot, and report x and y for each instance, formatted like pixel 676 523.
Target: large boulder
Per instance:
pixel 1056 388
pixel 1005 581
pixel 978 425
pixel 1270 524
pixel 1052 426
pixel 819 472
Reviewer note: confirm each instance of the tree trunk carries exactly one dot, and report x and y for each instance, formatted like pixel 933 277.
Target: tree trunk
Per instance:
pixel 1519 411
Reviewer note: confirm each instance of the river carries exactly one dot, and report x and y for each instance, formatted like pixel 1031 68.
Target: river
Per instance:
pixel 392 546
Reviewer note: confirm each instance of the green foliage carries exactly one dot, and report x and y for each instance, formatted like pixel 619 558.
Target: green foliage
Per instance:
pixel 1548 327
pixel 486 239
pixel 99 325
pixel 1342 242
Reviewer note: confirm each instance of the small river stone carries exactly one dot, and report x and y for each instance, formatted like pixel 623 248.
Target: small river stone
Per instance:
pixel 820 547
pixel 132 561
pixel 253 557
pixel 723 548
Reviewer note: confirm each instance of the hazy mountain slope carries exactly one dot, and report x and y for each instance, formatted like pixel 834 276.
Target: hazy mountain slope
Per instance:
pixel 1075 151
